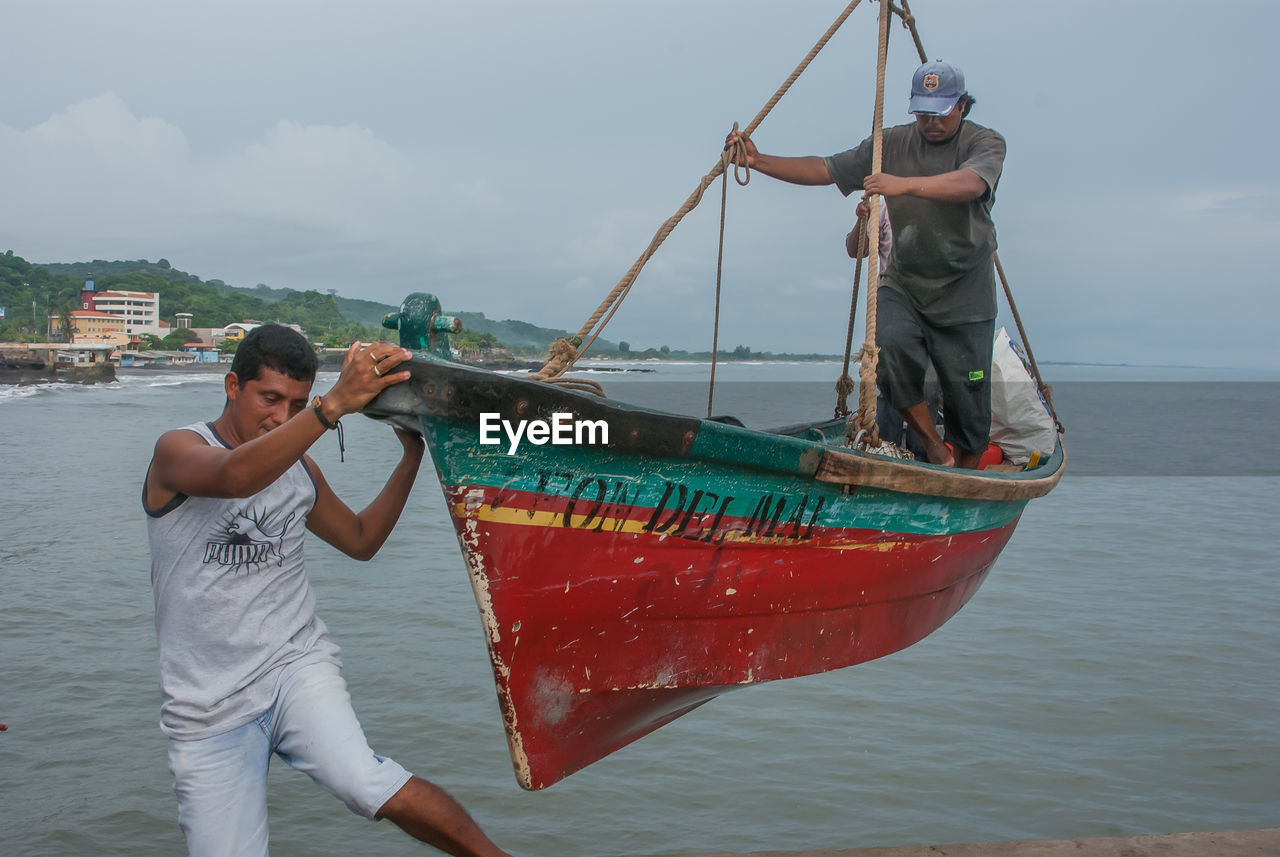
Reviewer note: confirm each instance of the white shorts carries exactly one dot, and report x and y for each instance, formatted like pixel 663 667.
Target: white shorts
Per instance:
pixel 221 782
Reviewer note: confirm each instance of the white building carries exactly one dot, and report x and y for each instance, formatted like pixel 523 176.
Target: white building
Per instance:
pixel 139 311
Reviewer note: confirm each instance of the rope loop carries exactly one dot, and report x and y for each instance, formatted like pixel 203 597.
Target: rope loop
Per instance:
pixel 736 155
pixel 868 440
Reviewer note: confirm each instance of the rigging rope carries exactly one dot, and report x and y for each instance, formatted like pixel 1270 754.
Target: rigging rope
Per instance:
pixel 909 21
pixel 869 354
pixel 564 356
pixel 844 384
pixel 1045 390
pixel 737 153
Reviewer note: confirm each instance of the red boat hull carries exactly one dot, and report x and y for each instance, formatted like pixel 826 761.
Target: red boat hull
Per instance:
pixel 598 637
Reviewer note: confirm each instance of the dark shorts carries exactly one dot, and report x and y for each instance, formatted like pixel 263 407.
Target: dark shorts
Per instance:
pixel 961 355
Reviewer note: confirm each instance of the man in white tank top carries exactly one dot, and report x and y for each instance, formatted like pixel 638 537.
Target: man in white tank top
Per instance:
pixel 246 667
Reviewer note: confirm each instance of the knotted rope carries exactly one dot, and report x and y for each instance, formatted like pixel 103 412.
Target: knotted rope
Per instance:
pixel 909 21
pixel 596 323
pixel 869 354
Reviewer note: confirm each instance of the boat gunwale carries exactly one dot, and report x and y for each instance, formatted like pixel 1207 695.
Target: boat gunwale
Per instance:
pixel 684 436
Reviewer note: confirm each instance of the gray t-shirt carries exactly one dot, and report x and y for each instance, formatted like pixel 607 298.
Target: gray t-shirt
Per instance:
pixel 942 251
pixel 235 612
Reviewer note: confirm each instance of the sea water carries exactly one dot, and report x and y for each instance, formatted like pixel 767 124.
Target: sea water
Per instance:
pixel 1115 675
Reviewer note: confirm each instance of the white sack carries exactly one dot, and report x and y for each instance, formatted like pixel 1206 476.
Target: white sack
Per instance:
pixel 1020 422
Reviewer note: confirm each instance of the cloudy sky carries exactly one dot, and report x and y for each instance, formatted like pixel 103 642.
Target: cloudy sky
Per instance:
pixel 515 158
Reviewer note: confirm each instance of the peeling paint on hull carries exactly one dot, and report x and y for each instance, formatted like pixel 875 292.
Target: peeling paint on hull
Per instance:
pixel 629 647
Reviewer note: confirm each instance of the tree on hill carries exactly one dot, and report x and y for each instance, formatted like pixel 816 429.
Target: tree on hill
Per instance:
pixel 28 293
pixel 175 339
pixel 474 346
pixel 78 271
pixel 310 309
pixel 66 329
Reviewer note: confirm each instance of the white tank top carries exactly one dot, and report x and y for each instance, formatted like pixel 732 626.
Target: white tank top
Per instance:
pixel 235 612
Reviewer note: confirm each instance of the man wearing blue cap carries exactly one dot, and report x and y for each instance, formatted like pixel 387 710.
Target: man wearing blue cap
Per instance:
pixel 937 300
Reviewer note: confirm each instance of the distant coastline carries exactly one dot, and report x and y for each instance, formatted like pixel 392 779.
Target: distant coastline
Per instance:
pixel 336 365
pixel 173 367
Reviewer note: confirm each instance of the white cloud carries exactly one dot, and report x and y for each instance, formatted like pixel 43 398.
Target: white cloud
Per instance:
pixel 342 181
pixel 92 170
pixel 97 180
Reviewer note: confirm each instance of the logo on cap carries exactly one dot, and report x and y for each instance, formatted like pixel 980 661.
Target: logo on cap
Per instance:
pixel 930 82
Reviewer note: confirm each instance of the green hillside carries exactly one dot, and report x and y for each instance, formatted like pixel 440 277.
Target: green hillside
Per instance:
pixel 327 317
pixel 213 303
pixel 29 293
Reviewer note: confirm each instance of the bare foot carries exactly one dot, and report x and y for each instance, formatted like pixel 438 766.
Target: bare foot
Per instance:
pixel 940 453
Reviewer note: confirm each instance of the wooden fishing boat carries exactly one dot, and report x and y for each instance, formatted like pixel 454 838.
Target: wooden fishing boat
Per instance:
pixel 630 565
pixel 625 580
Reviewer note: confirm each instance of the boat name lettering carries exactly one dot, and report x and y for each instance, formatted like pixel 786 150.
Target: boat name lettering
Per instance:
pixel 680 520
pixel 682 511
pixel 695 513
pixel 766 518
pixel 561 430
pixel 601 507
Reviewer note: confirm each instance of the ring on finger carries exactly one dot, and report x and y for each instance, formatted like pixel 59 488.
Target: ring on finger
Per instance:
pixel 375 370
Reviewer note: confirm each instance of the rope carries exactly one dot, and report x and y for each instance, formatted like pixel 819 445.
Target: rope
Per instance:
pixel 869 354
pixel 1045 390
pixel 582 385
pixel 610 304
pixel 739 153
pixel 844 384
pixel 909 21
pixel 715 325
pixel 818 46
pixel 560 358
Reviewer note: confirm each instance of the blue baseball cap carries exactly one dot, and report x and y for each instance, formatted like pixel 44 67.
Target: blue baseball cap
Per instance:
pixel 935 88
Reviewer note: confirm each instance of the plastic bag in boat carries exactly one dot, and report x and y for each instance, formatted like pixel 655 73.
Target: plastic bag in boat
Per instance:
pixel 1020 422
